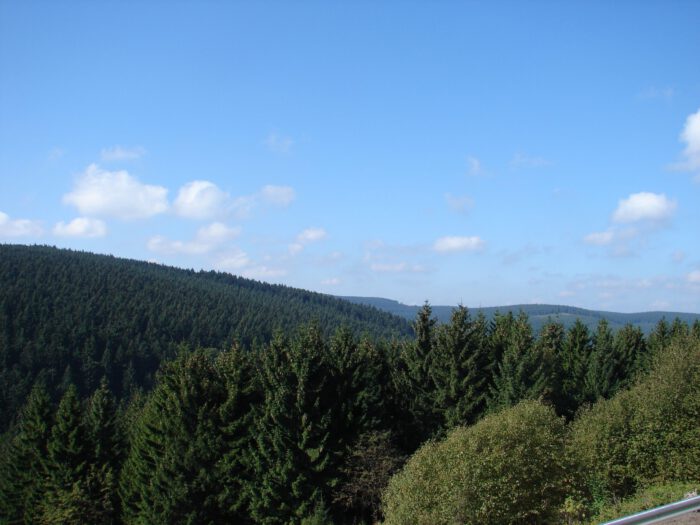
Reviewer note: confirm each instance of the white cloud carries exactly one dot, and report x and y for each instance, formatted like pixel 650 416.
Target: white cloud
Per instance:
pixel 234 260
pixel 600 238
pixel 277 195
pixel 333 281
pixel 644 206
pixel 665 93
pixel 200 199
pixel 691 153
pixel 457 244
pixel 116 194
pixel 117 153
pixel 399 267
pixel 521 160
pixel 279 143
pixel 263 272
pixel 459 204
pixel 693 277
pixel 475 168
pixel 81 227
pixel 207 239
pixel 19 227
pixel 311 235
pixel 307 236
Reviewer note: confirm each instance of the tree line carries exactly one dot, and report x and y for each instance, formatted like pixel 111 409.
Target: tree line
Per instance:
pixel 308 428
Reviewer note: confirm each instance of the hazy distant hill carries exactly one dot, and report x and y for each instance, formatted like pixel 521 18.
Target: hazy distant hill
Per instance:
pixel 539 313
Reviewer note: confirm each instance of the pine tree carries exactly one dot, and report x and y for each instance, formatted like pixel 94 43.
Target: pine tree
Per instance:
pixel 549 348
pixel 171 474
pixel 68 460
pixel 415 378
pixel 23 473
pixel 601 378
pixel 293 458
pixel 517 377
pixel 576 361
pixel 458 370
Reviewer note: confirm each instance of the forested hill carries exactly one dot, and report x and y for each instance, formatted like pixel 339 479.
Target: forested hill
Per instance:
pixel 539 314
pixel 73 317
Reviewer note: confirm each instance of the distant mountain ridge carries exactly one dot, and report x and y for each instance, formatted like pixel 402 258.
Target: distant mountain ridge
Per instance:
pixel 539 314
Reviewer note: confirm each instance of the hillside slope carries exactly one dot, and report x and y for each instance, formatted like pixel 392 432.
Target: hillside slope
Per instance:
pixel 539 314
pixel 68 316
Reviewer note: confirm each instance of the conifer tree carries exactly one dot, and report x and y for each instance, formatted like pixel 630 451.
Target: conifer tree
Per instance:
pixel 517 376
pixel 68 461
pixel 549 348
pixel 460 360
pixel 631 351
pixel 602 380
pixel 293 458
pixel 415 378
pixel 576 360
pixel 23 473
pixel 172 471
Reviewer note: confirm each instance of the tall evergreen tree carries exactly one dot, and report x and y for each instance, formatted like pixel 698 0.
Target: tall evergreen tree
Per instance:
pixel 601 379
pixel 172 471
pixel 68 462
pixel 293 458
pixel 459 369
pixel 416 381
pixel 23 473
pixel 549 348
pixel 576 360
pixel 517 376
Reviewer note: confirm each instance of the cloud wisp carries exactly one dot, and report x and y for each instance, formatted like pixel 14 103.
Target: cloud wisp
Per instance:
pixel 84 227
pixel 307 236
pixel 121 153
pixel 207 239
pixel 452 244
pixel 19 227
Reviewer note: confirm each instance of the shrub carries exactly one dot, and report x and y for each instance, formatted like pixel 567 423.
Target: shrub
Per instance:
pixel 649 434
pixel 509 468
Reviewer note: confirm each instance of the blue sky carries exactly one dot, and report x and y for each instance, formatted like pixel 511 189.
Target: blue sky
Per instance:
pixel 487 153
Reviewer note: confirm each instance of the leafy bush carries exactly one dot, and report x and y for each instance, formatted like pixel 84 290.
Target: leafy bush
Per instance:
pixel 508 468
pixel 648 434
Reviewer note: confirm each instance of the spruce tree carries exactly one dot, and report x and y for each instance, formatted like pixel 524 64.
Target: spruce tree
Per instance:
pixel 518 375
pixel 576 361
pixel 172 471
pixel 23 469
pixel 68 462
pixel 459 369
pixel 293 459
pixel 602 380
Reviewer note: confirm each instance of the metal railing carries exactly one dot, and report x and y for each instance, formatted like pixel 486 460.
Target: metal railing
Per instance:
pixel 659 513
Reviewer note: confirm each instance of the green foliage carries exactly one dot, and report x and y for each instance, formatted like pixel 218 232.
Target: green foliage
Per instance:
pixel 508 468
pixel 68 317
pixel 173 470
pixel 648 498
pixel 459 369
pixel 294 458
pixel 647 434
pixel 23 472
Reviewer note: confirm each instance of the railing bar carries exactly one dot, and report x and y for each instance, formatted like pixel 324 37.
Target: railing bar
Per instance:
pixel 659 513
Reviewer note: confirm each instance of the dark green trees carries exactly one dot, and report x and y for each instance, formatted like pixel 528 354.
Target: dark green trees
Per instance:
pixel 293 460
pixel 181 443
pixel 460 369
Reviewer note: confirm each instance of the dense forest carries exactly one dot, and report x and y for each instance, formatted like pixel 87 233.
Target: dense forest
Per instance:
pixel 70 317
pixel 470 421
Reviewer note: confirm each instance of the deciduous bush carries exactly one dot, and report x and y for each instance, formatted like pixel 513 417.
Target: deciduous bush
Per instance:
pixel 509 468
